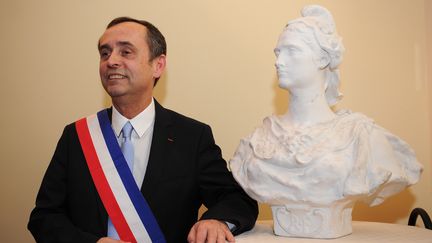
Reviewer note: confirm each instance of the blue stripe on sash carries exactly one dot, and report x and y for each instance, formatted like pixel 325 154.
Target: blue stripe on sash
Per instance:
pixel 126 176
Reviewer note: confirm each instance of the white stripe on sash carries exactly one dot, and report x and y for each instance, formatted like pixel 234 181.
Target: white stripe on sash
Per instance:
pixel 115 182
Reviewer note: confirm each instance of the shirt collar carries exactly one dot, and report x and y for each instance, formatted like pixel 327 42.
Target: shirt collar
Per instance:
pixel 141 123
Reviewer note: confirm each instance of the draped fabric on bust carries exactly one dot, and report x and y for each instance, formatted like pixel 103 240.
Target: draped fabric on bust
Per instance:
pixel 322 163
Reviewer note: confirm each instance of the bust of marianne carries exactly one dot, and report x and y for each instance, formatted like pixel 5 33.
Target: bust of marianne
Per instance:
pixel 312 164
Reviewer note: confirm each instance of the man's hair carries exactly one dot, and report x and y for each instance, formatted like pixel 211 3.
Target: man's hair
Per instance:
pixel 155 40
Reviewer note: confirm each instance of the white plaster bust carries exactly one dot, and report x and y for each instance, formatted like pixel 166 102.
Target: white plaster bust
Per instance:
pixel 312 164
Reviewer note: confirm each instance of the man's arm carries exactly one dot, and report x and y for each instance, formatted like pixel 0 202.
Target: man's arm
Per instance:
pixel 49 220
pixel 225 199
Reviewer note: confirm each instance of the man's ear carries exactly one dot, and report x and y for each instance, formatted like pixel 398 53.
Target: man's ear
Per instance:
pixel 159 64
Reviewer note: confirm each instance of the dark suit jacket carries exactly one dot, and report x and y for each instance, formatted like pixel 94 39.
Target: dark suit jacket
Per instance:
pixel 185 170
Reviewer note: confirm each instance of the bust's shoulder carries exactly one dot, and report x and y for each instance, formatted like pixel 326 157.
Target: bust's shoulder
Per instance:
pixel 347 115
pixel 347 120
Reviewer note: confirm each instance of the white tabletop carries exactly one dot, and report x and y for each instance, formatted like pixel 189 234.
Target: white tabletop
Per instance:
pixel 362 232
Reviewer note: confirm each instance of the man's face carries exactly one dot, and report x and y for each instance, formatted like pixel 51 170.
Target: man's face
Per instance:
pixel 125 67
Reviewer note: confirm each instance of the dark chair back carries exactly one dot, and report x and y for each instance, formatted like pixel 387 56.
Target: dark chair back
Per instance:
pixel 424 216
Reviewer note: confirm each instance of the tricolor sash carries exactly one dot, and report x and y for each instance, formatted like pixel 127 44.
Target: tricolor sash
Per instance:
pixel 122 199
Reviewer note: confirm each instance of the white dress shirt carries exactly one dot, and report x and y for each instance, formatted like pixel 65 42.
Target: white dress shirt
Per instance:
pixel 141 138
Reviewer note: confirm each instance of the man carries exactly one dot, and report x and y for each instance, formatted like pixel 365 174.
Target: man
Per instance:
pixel 175 161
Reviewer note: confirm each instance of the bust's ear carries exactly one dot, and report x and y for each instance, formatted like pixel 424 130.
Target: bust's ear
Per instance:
pixel 323 61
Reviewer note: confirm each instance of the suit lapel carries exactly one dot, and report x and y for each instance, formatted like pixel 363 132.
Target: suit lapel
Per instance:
pixel 158 151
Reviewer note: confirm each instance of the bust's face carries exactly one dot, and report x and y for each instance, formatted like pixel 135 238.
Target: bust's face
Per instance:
pixel 296 63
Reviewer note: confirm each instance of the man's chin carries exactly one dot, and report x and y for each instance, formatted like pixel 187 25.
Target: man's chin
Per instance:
pixel 115 93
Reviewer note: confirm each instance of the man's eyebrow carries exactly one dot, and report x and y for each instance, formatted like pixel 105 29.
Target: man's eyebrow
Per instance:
pixel 104 47
pixel 120 43
pixel 125 43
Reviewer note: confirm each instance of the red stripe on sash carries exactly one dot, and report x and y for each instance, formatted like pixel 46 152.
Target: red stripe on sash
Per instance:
pixel 101 182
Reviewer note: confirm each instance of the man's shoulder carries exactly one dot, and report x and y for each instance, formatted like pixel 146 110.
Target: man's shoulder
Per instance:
pixel 186 120
pixel 69 131
pixel 181 119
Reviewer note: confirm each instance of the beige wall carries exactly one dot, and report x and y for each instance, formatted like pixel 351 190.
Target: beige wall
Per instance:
pixel 220 70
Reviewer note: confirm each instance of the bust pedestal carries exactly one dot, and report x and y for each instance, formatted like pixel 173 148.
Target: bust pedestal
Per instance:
pixel 306 221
